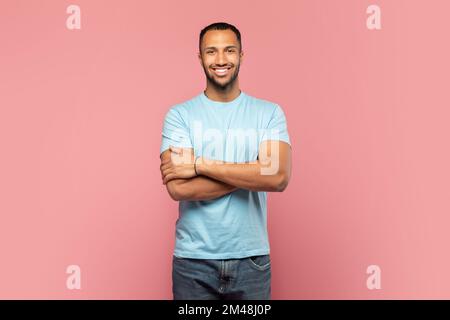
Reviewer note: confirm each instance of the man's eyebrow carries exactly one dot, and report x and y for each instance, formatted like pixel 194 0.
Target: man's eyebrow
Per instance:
pixel 227 47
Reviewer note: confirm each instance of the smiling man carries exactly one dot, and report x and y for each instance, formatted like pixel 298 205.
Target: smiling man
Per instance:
pixel 221 152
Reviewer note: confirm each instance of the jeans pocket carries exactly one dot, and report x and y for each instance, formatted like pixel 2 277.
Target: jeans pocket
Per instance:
pixel 260 263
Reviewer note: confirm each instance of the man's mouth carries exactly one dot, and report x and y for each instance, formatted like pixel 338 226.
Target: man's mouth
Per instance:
pixel 222 71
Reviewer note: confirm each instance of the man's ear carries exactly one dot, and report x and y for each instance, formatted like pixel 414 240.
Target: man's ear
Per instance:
pixel 199 55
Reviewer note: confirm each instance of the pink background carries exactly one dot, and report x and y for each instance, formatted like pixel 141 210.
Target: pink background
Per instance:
pixel 80 125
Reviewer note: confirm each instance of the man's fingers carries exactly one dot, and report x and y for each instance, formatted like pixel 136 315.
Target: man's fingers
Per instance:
pixel 166 171
pixel 167 160
pixel 165 166
pixel 168 177
pixel 165 163
pixel 176 149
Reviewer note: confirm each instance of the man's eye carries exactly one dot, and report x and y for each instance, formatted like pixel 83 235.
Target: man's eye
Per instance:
pixel 230 50
pixel 208 52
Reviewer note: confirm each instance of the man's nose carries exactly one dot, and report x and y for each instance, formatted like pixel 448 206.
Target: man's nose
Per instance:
pixel 220 60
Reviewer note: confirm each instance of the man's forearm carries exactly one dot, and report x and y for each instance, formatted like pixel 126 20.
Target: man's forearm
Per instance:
pixel 198 188
pixel 243 175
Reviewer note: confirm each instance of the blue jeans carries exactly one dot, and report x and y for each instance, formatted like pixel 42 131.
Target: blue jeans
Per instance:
pixel 230 279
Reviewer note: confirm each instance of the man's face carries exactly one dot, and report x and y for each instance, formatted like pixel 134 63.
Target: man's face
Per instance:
pixel 220 57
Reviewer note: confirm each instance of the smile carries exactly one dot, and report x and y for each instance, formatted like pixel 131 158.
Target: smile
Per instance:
pixel 221 71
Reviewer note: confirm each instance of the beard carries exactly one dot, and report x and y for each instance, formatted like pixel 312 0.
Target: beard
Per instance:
pixel 225 85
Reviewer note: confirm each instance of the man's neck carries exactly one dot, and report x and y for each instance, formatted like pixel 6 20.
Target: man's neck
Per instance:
pixel 223 95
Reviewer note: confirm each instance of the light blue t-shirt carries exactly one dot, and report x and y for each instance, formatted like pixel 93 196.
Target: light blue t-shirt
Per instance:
pixel 234 225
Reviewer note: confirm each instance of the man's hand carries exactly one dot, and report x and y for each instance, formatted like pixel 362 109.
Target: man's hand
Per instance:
pixel 180 165
pixel 197 188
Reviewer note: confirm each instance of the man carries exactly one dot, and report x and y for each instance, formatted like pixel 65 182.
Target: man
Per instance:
pixel 221 152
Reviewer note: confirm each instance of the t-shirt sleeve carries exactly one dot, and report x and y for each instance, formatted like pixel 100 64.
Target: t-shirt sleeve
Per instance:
pixel 277 127
pixel 175 132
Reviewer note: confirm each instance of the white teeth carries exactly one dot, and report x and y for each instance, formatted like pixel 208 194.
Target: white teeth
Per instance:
pixel 220 70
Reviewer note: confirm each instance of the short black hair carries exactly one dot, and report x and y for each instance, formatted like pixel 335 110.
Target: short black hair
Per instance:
pixel 220 26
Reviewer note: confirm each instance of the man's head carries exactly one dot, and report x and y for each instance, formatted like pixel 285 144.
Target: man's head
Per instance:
pixel 220 53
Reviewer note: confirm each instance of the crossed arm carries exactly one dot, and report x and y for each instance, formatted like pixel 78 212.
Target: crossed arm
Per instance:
pixel 270 172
